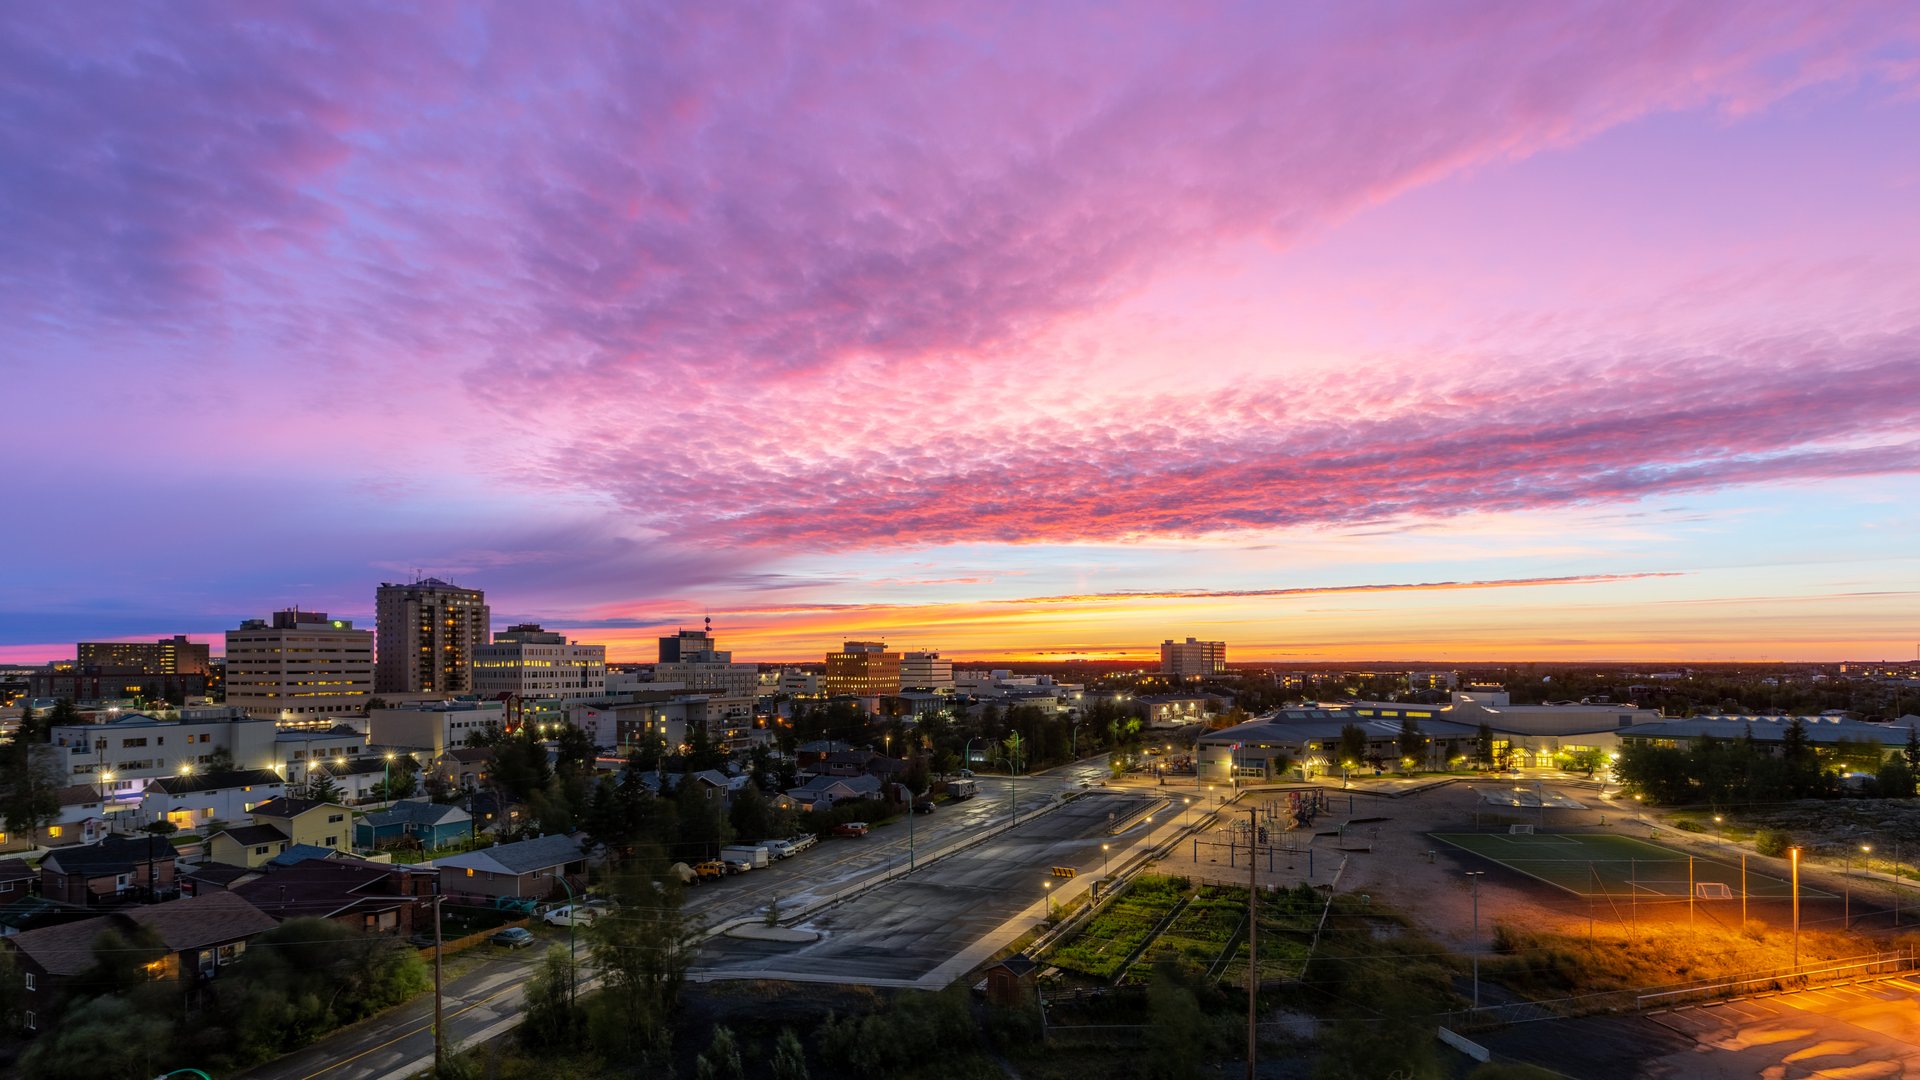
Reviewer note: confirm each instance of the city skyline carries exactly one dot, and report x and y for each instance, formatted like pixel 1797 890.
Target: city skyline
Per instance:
pixel 1460 335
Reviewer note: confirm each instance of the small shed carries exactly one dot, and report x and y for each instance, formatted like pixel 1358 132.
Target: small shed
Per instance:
pixel 1011 981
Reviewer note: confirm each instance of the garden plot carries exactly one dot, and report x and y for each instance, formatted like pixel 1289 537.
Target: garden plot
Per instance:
pixel 1106 943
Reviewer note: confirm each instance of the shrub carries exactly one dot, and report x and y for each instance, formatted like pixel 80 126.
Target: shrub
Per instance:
pixel 1774 842
pixel 1684 825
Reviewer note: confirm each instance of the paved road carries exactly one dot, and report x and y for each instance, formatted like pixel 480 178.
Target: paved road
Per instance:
pixel 396 1039
pixel 1866 1030
pixel 910 929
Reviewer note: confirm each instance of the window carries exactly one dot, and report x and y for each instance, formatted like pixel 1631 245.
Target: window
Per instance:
pixel 125 743
pixel 261 850
pixel 469 871
pixel 53 831
pixel 331 841
pixel 30 984
pixel 33 1024
pixel 335 819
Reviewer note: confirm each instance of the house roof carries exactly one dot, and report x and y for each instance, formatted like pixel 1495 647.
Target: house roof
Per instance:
pixel 16 870
pixel 199 921
pixel 524 857
pixel 300 853
pixel 62 949
pixel 324 888
pixel 113 855
pixel 416 812
pixel 79 795
pixel 289 807
pixel 863 784
pixel 355 765
pixel 252 834
pixel 469 755
pixel 220 781
pixel 219 875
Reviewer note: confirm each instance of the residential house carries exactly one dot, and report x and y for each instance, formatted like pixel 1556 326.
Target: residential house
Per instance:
pixel 822 792
pixel 200 934
pixel 528 869
pixel 372 897
pixel 116 869
pixel 363 779
pixel 858 763
pixel 412 823
pixel 17 879
pixel 198 800
pixel 308 821
pixel 247 845
pixel 465 769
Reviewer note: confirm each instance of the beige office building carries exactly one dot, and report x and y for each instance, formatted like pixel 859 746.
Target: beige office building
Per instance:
pixel 530 662
pixel 299 664
pixel 862 669
pixel 428 631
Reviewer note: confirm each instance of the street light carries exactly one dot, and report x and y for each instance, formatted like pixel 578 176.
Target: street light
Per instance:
pixel 1048 895
pixel 386 785
pixel 1475 876
pixel 1846 911
pixel 1103 858
pixel 1719 834
pixel 1794 855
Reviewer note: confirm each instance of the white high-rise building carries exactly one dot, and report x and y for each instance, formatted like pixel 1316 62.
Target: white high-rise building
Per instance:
pixel 300 664
pixel 428 631
pixel 925 671
pixel 690 659
pixel 533 663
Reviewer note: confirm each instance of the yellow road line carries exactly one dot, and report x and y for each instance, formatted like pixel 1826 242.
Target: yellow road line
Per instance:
pixel 411 1033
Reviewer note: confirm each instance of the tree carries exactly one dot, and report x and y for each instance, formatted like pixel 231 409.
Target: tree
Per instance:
pixel 552 1018
pixel 917 777
pixel 574 752
pixel 721 1060
pixel 642 951
pixel 1413 745
pixel 1483 745
pixel 321 786
pixel 1177 1023
pixel 751 814
pixel 108 1036
pixel 1913 748
pixel 1353 745
pixel 789 1057
pixel 220 761
pixel 30 784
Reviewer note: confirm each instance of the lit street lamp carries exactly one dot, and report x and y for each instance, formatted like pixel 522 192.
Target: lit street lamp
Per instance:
pixel 1846 911
pixel 1103 858
pixel 1475 876
pixel 1794 854
pixel 1048 885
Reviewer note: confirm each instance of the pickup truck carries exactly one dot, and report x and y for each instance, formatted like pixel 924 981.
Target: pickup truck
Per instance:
pixel 851 828
pixel 802 842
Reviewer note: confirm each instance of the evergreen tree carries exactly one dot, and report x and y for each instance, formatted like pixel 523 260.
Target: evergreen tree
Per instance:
pixel 789 1057
pixel 1413 745
pixel 1353 745
pixel 1483 745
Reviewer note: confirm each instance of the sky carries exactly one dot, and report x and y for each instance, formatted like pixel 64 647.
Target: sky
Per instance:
pixel 1448 331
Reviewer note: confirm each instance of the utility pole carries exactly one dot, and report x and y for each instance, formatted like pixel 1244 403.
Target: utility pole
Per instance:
pixel 1253 940
pixel 1795 853
pixel 439 1038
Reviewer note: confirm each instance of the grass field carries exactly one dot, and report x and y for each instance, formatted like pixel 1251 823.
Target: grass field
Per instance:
pixel 1608 865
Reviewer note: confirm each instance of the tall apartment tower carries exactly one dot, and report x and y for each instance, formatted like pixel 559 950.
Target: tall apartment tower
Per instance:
pixel 925 671
pixel 428 631
pixel 531 662
pixel 1193 658
pixel 301 664
pixel 863 669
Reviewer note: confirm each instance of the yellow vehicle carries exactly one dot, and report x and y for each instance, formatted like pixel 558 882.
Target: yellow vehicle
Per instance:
pixel 710 869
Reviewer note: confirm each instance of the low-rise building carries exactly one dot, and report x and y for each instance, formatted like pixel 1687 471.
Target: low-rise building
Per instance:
pixel 412 823
pixel 529 869
pixel 198 800
pixel 114 870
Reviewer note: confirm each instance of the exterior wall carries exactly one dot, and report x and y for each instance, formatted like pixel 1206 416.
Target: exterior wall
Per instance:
pixel 427 633
pixel 1193 658
pixel 862 669
pixel 168 656
pixel 540 670
pixel 323 826
pixel 925 671
pixel 195 809
pixel 309 667
pixel 455 880
pixel 137 752
pixel 702 676
pixel 224 849
pixel 82 890
pixel 434 730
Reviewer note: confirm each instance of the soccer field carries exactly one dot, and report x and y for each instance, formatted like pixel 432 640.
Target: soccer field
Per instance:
pixel 1608 865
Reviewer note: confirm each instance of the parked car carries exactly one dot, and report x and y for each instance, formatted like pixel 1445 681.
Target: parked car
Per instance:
pixel 925 806
pixel 513 937
pixel 966 774
pixel 780 849
pixel 572 915
pixel 851 828
pixel 712 868
pixel 736 866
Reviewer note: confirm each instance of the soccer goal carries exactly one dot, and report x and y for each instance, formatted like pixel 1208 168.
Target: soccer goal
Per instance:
pixel 1519 830
pixel 1712 890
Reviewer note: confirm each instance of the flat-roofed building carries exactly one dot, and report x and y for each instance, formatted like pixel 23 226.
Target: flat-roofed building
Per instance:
pixel 925 671
pixel 299 664
pixel 862 669
pixel 530 662
pixel 427 633
pixel 1193 659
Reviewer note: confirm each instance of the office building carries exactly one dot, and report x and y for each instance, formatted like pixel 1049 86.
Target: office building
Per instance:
pixel 299 664
pixel 862 669
pixel 427 633
pixel 1193 659
pixel 434 728
pixel 925 671
pixel 167 656
pixel 530 662
pixel 691 660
